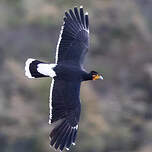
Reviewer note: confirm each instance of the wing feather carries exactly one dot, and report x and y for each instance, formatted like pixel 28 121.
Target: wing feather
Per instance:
pixel 64 113
pixel 75 23
pixel 78 16
pixel 87 20
pixel 82 16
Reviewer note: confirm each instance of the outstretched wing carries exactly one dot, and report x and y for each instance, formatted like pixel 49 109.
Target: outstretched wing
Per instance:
pixel 64 113
pixel 74 37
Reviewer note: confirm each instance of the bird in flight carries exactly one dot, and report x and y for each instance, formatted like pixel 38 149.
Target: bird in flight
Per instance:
pixel 67 73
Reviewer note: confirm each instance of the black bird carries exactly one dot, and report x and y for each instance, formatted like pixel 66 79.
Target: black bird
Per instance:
pixel 67 73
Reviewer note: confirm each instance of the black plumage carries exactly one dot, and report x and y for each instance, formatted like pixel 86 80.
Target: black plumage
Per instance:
pixel 74 38
pixel 67 73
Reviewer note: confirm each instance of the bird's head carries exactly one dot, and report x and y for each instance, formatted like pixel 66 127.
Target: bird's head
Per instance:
pixel 95 75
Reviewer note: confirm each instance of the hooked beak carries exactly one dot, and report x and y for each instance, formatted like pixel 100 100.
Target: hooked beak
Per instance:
pixel 96 77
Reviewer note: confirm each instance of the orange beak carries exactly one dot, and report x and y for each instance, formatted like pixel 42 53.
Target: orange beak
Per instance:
pixel 96 77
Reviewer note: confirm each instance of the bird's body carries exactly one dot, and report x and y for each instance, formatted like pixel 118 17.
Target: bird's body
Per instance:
pixel 67 74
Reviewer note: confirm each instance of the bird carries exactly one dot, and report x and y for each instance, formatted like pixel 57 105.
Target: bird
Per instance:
pixel 67 73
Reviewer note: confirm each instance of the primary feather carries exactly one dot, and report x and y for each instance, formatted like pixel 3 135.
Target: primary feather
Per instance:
pixel 74 38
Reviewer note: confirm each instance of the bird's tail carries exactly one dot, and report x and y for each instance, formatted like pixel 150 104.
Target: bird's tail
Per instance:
pixel 38 69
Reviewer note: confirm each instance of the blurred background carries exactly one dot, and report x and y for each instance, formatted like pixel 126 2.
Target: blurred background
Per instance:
pixel 116 112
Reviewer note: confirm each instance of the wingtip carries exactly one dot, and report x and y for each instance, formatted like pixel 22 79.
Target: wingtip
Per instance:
pixel 67 149
pixel 73 144
pixel 86 13
pixel 66 12
pixel 70 10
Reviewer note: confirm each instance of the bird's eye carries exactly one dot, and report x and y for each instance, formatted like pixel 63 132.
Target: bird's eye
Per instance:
pixel 94 75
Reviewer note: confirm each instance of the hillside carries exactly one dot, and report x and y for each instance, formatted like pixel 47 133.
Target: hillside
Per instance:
pixel 116 112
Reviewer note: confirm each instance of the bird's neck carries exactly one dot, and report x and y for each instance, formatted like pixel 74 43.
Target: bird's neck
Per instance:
pixel 86 77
